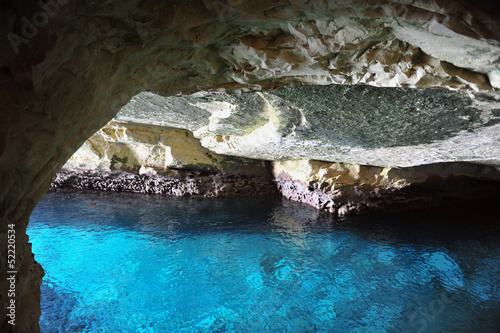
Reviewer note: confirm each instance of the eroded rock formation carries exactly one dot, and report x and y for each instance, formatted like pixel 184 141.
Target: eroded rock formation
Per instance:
pixel 352 124
pixel 68 67
pixel 353 189
pixel 154 159
pixel 400 149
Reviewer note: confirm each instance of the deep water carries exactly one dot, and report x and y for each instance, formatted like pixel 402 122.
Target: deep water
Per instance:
pixel 136 263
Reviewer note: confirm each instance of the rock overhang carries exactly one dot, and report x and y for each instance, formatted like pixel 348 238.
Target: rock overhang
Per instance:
pixel 399 127
pixel 436 64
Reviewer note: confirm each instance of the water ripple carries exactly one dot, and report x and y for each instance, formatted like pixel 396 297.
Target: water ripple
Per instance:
pixel 152 264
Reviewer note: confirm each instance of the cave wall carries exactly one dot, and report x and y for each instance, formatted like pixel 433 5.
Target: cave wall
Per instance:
pixel 153 149
pixel 348 189
pixel 354 124
pixel 137 155
pixel 154 159
pixel 68 66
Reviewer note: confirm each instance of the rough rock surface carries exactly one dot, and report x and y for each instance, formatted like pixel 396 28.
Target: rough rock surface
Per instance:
pixel 68 66
pixel 353 189
pixel 134 157
pixel 151 149
pixel 176 182
pixel 352 124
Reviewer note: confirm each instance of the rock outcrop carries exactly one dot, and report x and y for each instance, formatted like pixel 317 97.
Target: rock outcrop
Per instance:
pixel 145 158
pixel 414 138
pixel 175 183
pixel 353 189
pixel 352 124
pixel 135 153
pixel 152 149
pixel 68 66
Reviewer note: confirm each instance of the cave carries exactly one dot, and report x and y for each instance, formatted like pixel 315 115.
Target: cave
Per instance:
pixel 424 74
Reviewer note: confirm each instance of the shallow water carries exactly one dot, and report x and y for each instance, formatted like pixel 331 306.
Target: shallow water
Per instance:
pixel 136 263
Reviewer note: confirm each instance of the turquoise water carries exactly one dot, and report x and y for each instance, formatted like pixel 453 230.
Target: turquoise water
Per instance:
pixel 135 263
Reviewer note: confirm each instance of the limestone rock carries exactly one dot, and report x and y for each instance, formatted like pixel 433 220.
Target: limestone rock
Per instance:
pixel 352 124
pixel 494 77
pixel 146 148
pixel 173 182
pixel 353 189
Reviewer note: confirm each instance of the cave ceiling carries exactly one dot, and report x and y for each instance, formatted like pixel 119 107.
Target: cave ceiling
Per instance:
pixel 396 83
pixel 377 83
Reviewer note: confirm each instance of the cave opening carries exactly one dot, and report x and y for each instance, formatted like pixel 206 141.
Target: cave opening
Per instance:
pixel 69 66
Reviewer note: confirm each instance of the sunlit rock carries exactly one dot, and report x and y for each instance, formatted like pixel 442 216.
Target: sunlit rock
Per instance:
pixel 494 76
pixel 142 158
pixel 352 124
pixel 353 189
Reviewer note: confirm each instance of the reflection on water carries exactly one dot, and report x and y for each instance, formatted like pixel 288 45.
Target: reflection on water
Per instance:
pixel 132 263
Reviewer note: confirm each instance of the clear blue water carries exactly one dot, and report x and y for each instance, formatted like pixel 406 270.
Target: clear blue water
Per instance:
pixel 135 263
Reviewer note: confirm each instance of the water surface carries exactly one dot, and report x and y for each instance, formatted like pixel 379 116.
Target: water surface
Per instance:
pixel 135 263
